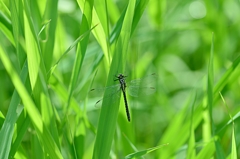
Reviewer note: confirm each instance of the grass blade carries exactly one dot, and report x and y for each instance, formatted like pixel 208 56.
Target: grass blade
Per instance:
pixel 42 132
pixel 7 129
pixel 144 152
pixel 109 111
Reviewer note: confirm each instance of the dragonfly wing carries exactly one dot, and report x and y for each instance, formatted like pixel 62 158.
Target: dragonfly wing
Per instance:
pixel 143 86
pixel 110 93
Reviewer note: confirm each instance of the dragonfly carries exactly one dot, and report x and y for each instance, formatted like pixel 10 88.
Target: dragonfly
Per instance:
pixel 137 87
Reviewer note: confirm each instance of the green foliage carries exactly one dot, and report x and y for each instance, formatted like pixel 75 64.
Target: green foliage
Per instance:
pixel 53 52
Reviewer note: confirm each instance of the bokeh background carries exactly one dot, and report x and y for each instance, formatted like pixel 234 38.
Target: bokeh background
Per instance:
pixel 172 39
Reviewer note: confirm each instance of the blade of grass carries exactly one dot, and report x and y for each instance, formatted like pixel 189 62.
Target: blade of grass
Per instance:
pixel 178 131
pixel 99 32
pixel 50 13
pixel 7 130
pixel 144 152
pixel 21 127
pixel 234 148
pixel 210 94
pixel 82 46
pixel 109 111
pixel 6 27
pixel 208 150
pixel 139 9
pixel 17 17
pixel 37 75
pixel 81 37
pixel 191 152
pixel 42 132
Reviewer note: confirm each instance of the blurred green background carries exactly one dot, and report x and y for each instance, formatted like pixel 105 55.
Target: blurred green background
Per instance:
pixel 172 39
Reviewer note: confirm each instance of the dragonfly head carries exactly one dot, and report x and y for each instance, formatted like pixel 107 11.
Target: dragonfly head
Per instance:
pixel 120 76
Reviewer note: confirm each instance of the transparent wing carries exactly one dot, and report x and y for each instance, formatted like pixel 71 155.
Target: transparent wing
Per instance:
pixel 142 86
pixel 111 92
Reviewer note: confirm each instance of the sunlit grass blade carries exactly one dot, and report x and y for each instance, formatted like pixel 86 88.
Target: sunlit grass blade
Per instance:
pixel 208 150
pixel 144 152
pixel 6 28
pixel 37 74
pixel 22 126
pixel 50 13
pixel 139 9
pixel 233 153
pixel 99 32
pixel 42 132
pixel 109 111
pixel 7 129
pixel 178 130
pixel 191 152
pixel 17 17
pixel 81 49
pixel 81 37
pixel 210 94
pixel 210 87
pixel 234 146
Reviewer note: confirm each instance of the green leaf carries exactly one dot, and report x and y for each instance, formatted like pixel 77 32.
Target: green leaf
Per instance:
pixel 42 132
pixel 144 152
pixel 109 111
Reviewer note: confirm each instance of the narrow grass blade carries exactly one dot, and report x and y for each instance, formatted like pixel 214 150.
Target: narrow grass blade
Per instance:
pixel 81 50
pixel 16 8
pixel 191 152
pixel 210 87
pixel 234 148
pixel 42 132
pixel 207 151
pixel 139 9
pixel 6 27
pixel 109 111
pixel 22 126
pixel 7 130
pixel 99 32
pixel 51 13
pixel 81 37
pixel 210 93
pixel 178 131
pixel 144 152
pixel 37 74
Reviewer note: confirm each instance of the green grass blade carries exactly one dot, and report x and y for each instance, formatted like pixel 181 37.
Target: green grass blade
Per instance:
pixel 139 8
pixel 234 148
pixel 50 13
pixel 5 27
pixel 37 74
pixel 191 152
pixel 144 152
pixel 16 8
pixel 109 111
pixel 7 130
pixel 178 131
pixel 81 37
pixel 210 93
pixel 207 151
pixel 99 32
pixel 210 86
pixel 22 126
pixel 81 50
pixel 42 132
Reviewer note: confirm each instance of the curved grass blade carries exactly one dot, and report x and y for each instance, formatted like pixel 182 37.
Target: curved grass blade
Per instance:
pixel 43 133
pixel 81 37
pixel 108 115
pixel 144 152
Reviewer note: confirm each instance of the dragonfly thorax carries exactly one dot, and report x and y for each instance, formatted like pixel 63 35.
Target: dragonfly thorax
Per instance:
pixel 121 79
